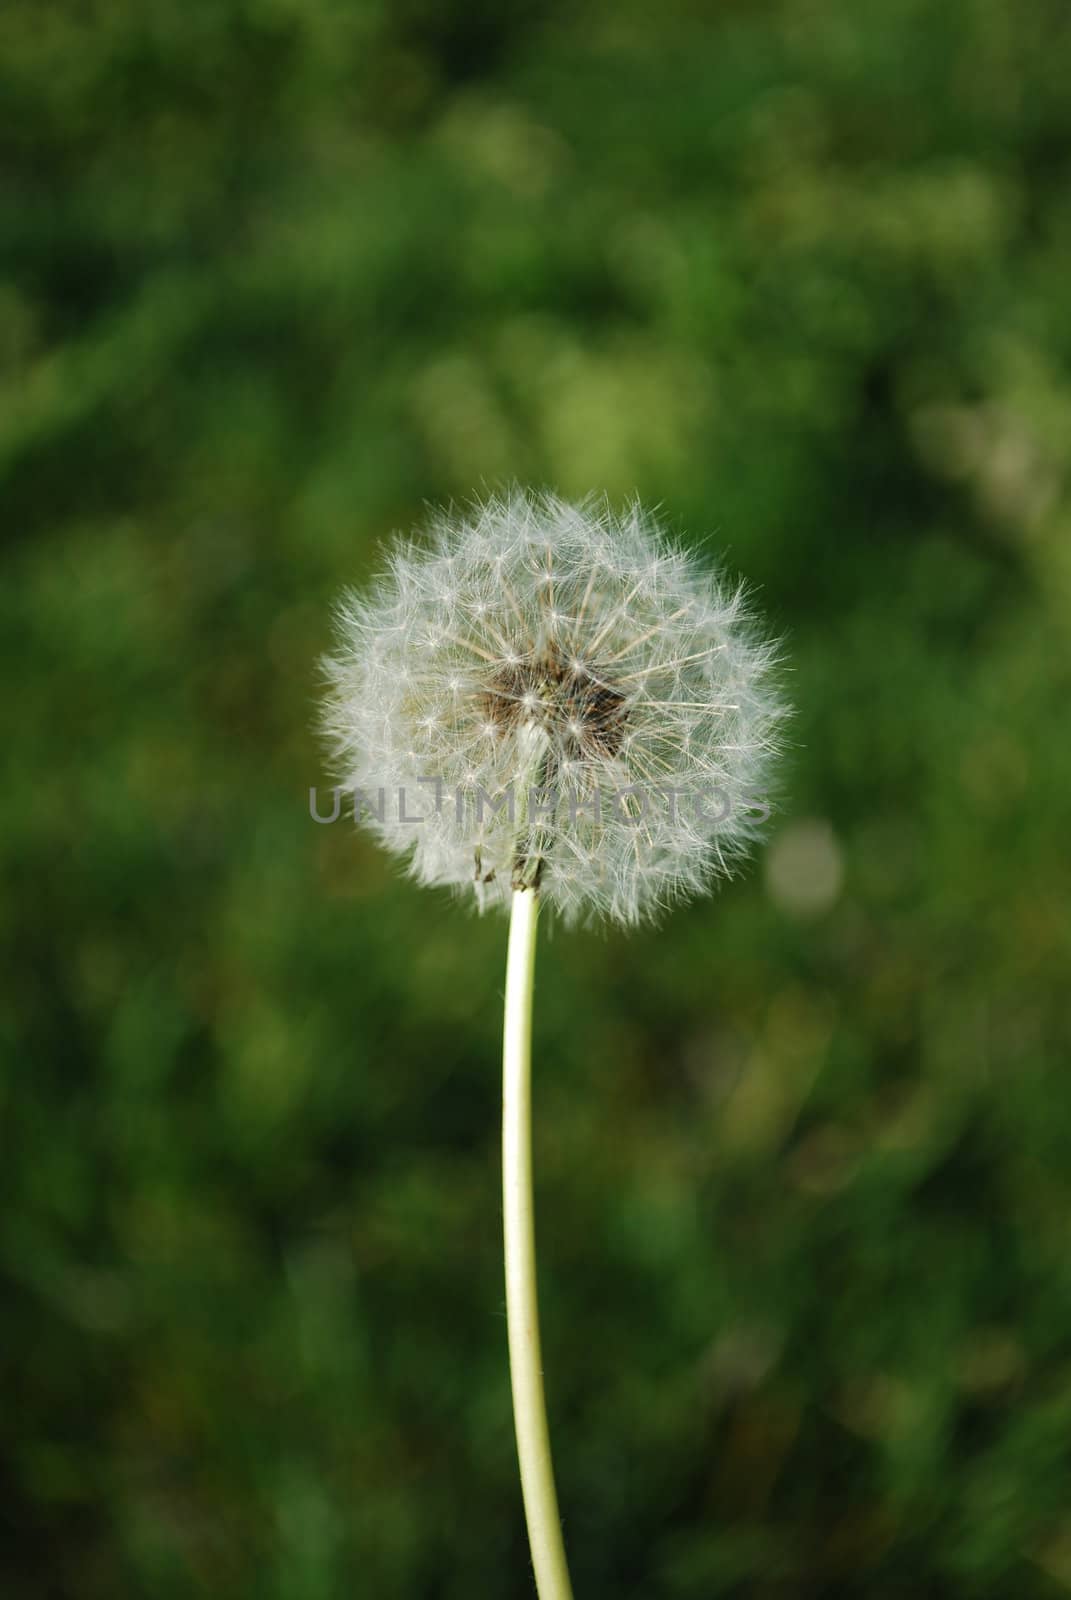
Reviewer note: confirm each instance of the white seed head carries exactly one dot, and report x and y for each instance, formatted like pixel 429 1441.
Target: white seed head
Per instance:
pixel 566 700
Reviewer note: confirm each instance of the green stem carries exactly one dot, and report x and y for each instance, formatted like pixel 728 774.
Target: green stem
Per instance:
pixel 522 1311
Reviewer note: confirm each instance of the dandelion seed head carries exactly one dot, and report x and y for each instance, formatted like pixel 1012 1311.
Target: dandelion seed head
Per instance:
pixel 528 645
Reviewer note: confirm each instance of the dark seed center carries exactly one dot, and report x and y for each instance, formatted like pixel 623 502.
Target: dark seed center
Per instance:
pixel 584 712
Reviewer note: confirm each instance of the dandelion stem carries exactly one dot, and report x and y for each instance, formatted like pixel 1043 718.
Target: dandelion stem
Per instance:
pixel 522 1310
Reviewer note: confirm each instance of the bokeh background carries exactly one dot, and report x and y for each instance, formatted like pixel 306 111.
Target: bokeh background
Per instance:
pixel 275 273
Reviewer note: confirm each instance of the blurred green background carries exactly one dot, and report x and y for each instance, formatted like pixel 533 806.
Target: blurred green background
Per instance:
pixel 274 274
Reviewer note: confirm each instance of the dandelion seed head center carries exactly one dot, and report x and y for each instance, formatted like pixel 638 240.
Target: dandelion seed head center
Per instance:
pixel 582 711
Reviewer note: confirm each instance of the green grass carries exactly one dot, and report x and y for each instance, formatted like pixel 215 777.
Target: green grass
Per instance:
pixel 272 275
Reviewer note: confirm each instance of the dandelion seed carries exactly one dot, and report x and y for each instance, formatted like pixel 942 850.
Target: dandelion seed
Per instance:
pixel 586 645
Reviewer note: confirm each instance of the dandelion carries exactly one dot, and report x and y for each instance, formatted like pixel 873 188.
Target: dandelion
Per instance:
pixel 594 707
pixel 586 716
